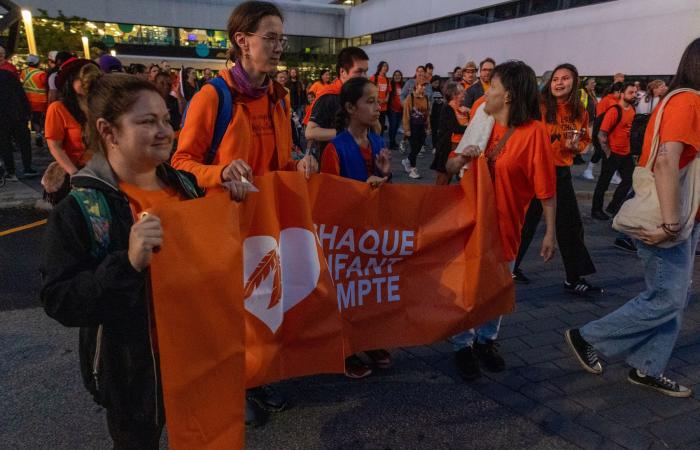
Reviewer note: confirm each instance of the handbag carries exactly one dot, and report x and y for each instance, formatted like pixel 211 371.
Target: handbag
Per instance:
pixel 643 211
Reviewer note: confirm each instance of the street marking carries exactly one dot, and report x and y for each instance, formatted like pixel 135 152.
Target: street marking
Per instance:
pixel 23 227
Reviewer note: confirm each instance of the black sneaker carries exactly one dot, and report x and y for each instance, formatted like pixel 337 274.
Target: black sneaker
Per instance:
pixel 582 287
pixel 267 398
pixel 28 173
pixel 599 215
pixel 626 245
pixel 467 364
pixel 583 351
pixel 254 415
pixel 519 277
pixel 489 357
pixel 661 384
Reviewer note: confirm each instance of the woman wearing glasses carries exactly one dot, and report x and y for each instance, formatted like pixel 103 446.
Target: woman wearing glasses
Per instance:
pixel 258 138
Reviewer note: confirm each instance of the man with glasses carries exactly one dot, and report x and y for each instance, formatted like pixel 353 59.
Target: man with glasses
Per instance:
pixel 478 89
pixel 469 75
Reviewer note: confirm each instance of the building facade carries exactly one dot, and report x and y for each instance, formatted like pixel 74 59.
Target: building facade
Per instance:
pixel 636 37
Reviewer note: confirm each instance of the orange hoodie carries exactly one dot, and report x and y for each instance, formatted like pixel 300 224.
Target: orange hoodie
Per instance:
pixel 238 142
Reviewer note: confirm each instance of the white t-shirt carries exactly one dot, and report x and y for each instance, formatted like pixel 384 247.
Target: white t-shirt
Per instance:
pixel 645 106
pixel 52 81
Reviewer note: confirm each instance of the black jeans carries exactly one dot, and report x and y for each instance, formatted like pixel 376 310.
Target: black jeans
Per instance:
pixel 622 164
pixel 16 132
pixel 569 229
pixel 417 139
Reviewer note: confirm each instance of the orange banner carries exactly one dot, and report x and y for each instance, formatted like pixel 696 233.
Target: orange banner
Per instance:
pixel 323 268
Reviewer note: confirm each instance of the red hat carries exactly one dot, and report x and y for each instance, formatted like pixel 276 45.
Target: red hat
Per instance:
pixel 71 66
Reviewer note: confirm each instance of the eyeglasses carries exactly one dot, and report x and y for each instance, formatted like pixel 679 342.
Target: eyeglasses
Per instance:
pixel 283 41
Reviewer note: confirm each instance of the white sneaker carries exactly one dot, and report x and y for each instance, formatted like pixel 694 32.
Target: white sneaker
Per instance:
pixel 616 179
pixel 406 165
pixel 588 174
pixel 414 173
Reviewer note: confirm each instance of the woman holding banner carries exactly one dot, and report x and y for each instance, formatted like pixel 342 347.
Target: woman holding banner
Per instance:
pixel 99 247
pixel 521 166
pixel 359 153
pixel 256 140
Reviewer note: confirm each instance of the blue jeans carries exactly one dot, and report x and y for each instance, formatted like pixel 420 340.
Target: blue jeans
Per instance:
pixel 394 122
pixel 483 333
pixel 646 327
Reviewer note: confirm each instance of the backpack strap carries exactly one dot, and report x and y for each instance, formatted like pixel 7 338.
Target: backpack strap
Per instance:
pixel 224 114
pixel 98 217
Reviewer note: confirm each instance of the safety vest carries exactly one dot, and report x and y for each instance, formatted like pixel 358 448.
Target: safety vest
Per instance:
pixel 35 88
pixel 584 98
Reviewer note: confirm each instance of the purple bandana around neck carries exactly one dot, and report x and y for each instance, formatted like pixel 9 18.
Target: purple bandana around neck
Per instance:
pixel 243 82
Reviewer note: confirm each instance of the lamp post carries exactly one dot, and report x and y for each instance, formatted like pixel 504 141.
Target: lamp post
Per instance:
pixel 86 47
pixel 29 30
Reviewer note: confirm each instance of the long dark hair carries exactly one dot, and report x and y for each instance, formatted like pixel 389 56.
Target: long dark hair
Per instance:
pixel 573 102
pixel 379 69
pixel 688 73
pixel 392 83
pixel 320 76
pixel 520 81
pixel 351 92
pixel 70 99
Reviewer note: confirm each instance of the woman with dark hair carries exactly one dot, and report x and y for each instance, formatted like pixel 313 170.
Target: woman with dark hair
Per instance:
pixel 384 87
pixel 451 126
pixel 63 127
pixel 395 108
pixel 646 328
pixel 189 83
pixel 521 165
pixel 358 153
pixel 297 92
pixel 567 124
pixel 153 71
pixel 323 80
pixel 258 138
pixel 103 288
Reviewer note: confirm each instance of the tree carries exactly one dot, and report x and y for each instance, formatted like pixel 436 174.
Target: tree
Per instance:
pixel 56 33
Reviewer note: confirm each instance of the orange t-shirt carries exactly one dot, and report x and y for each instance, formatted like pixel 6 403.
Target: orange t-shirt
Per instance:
pixel 61 126
pixel 559 132
pixel 619 138
pixel 263 133
pixel 316 87
pixel 680 123
pixel 605 103
pixel 462 119
pixel 330 163
pixel 383 88
pixel 524 169
pixel 396 105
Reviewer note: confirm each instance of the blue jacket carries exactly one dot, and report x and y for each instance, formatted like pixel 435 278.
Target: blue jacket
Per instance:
pixel 352 165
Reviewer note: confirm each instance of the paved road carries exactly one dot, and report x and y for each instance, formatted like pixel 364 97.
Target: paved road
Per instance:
pixel 543 401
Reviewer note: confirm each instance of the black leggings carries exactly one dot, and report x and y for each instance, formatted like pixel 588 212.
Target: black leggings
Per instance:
pixel 569 229
pixel 622 164
pixel 417 139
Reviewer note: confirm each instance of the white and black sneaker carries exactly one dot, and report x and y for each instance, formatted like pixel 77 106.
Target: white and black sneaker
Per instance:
pixel 406 165
pixel 583 351
pixel 661 384
pixel 582 287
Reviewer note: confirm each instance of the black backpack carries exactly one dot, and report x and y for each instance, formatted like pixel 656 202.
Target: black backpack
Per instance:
pixel 599 121
pixel 639 129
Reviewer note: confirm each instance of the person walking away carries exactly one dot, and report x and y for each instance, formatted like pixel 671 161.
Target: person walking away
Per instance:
pixel 416 125
pixel 451 125
pixel 14 114
pixel 34 82
pixel 479 88
pixel 102 285
pixel 614 136
pixel 646 328
pixel 257 139
pixel 567 124
pixel 357 152
pixel 395 108
pixel 384 87
pixel 521 166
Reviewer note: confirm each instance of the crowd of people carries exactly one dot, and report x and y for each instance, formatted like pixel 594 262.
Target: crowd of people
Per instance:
pixel 123 142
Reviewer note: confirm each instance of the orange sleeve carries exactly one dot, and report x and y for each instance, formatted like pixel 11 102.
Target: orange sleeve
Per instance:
pixel 330 163
pixel 476 105
pixel 609 120
pixel 54 128
pixel 542 167
pixel 195 139
pixel 680 122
